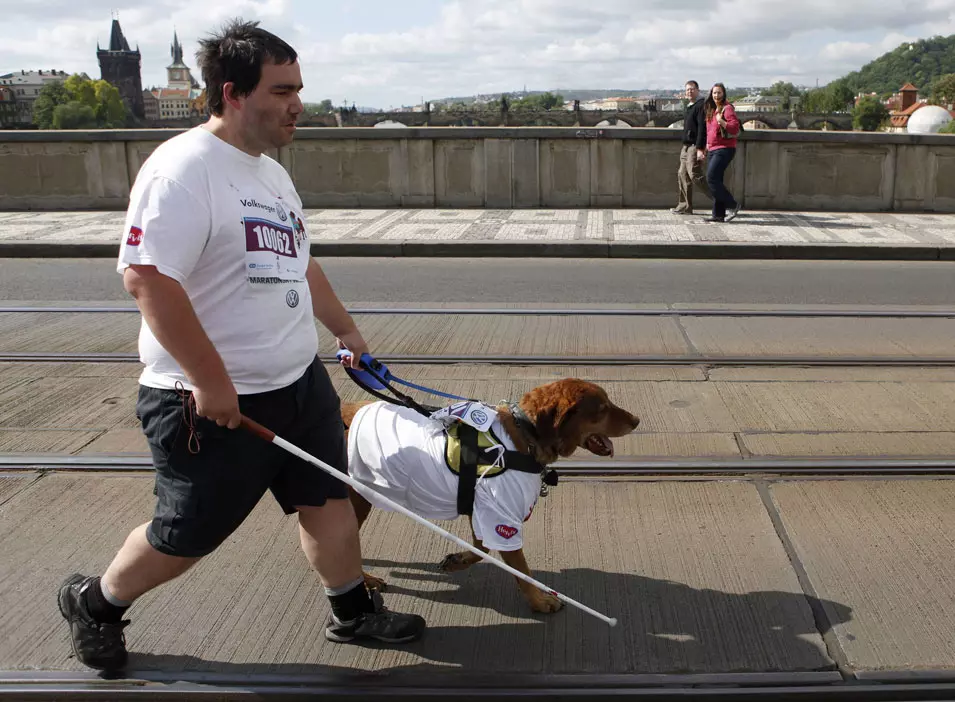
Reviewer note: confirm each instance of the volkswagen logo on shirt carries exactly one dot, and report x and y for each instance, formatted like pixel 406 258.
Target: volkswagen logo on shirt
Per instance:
pixel 291 298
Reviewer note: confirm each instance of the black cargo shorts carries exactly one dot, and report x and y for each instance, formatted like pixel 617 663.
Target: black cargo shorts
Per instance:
pixel 203 497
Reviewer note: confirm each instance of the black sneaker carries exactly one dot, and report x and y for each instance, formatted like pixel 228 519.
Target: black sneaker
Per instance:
pixel 381 625
pixel 98 645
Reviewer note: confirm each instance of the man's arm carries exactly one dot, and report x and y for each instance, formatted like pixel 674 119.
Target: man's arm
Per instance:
pixel 171 318
pixel 329 310
pixel 700 114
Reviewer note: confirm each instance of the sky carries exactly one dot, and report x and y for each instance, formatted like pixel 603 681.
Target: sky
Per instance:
pixel 389 53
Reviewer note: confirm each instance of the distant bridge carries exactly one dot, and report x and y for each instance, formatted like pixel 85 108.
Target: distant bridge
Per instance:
pixel 569 118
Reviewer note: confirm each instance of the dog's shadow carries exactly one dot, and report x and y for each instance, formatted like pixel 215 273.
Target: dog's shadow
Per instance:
pixel 663 625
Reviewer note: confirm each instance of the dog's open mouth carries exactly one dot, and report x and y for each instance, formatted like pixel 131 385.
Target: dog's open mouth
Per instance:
pixel 599 444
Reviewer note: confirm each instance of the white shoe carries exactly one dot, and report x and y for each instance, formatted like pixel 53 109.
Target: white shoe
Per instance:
pixel 731 213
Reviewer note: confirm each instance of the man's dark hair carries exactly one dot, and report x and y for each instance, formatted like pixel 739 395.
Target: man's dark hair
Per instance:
pixel 693 83
pixel 235 55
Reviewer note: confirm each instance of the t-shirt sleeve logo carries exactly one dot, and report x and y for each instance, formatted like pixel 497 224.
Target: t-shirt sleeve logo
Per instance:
pixel 505 531
pixel 135 236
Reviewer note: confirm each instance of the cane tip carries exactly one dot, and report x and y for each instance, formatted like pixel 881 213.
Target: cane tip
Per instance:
pixel 612 621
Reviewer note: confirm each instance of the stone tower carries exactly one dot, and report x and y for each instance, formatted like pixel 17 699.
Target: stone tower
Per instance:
pixel 178 75
pixel 120 66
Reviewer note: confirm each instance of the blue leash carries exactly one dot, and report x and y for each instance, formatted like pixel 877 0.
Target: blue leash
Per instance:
pixel 428 390
pixel 375 374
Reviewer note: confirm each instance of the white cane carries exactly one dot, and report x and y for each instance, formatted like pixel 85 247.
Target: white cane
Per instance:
pixel 270 436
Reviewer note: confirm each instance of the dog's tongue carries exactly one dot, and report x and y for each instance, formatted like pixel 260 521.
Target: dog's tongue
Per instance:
pixel 600 445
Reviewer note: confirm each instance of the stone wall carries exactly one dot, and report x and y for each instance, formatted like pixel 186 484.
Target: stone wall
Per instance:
pixel 510 168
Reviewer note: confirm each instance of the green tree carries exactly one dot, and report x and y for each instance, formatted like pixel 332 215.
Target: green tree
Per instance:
pixel 835 97
pixel 948 128
pixel 101 97
pixel 815 101
pixel 840 96
pixel 943 90
pixel 539 102
pixel 74 115
pixel 787 91
pixel 109 108
pixel 51 96
pixel 869 114
pixel 81 89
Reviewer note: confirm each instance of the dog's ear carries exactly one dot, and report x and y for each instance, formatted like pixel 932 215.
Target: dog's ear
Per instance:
pixel 576 411
pixel 558 410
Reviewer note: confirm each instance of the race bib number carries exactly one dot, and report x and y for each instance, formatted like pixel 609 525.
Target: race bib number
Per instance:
pixel 271 251
pixel 477 414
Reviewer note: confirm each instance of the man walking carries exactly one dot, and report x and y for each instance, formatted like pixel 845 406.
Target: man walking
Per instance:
pixel 216 254
pixel 693 152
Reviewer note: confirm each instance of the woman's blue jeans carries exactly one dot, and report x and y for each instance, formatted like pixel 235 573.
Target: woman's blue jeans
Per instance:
pixel 718 161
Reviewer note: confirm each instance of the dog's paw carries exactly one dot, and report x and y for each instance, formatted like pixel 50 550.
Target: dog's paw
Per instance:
pixel 374 583
pixel 542 602
pixel 456 561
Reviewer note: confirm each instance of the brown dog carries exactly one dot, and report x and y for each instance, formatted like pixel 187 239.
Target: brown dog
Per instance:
pixel 565 414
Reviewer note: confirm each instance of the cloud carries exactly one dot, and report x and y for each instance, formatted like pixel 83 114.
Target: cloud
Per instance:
pixel 391 55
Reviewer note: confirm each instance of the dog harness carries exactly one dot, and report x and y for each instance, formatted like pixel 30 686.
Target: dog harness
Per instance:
pixel 463 456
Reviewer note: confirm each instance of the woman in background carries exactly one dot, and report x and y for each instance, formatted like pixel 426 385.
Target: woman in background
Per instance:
pixel 722 130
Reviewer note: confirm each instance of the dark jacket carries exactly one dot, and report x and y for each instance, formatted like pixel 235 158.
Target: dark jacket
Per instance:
pixel 694 125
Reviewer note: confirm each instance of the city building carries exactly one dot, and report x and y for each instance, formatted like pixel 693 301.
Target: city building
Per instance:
pixel 177 99
pixel 25 88
pixel 760 103
pixel 121 66
pixel 8 108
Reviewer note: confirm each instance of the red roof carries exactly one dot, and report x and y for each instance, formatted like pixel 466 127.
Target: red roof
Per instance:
pixel 908 86
pixel 171 92
pixel 901 119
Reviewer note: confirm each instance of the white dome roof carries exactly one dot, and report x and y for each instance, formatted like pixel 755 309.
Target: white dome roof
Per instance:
pixel 928 120
pixel 616 123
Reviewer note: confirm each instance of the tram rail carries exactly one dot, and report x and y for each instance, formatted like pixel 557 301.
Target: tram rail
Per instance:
pixel 539 360
pixel 821 312
pixel 570 468
pixel 464 687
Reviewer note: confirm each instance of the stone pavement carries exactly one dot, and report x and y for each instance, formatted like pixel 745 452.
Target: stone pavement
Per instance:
pixel 571 232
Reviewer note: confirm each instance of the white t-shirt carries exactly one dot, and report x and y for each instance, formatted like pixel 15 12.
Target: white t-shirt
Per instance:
pixel 400 453
pixel 230 228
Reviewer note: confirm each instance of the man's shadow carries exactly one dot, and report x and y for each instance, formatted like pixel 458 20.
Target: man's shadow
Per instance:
pixel 664 627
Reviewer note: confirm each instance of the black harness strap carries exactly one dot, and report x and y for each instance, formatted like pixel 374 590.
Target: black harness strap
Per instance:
pixel 515 460
pixel 468 466
pixel 467 470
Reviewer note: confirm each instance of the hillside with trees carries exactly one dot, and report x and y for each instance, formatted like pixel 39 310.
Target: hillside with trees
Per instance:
pixel 921 63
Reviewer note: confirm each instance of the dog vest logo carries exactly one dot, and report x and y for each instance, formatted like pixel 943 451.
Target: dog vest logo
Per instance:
pixel 479 416
pixel 135 237
pixel 505 531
